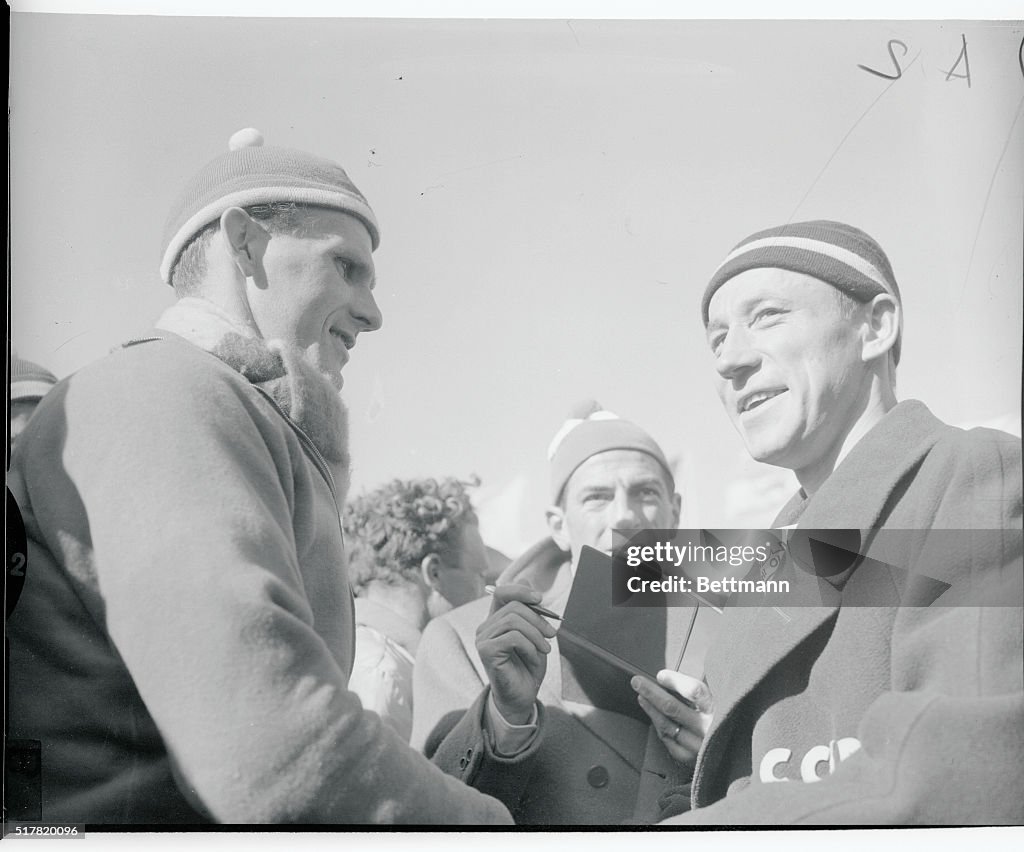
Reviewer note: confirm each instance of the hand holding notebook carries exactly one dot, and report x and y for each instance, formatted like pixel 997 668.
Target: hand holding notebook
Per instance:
pixel 680 708
pixel 603 646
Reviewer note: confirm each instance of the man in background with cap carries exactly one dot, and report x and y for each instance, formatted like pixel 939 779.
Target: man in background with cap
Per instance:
pixel 589 766
pixel 867 696
pixel 29 384
pixel 183 643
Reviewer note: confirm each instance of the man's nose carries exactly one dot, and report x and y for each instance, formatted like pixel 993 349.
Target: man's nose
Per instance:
pixel 626 513
pixel 736 355
pixel 367 312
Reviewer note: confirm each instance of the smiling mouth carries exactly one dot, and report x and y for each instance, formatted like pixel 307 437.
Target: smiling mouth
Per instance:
pixel 755 400
pixel 346 339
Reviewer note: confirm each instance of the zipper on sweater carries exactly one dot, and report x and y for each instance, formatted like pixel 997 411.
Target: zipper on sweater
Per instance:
pixel 309 446
pixel 313 454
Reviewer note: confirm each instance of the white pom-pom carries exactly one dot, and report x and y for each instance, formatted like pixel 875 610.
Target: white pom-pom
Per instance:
pixel 247 137
pixel 584 409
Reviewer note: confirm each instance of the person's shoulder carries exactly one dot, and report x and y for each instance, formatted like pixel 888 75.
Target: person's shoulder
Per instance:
pixel 149 397
pixel 371 648
pixel 459 624
pixel 467 617
pixel 980 446
pixel 978 469
pixel 159 366
pixel 912 421
pixel 987 439
pixel 164 377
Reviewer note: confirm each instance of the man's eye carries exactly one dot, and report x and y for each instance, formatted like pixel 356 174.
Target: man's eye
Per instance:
pixel 344 265
pixel 716 343
pixel 767 314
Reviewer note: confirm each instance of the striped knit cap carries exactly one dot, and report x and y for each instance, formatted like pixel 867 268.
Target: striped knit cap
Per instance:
pixel 590 430
pixel 251 174
pixel 29 380
pixel 837 254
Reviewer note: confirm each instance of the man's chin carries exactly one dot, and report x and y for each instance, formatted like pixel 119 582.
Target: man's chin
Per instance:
pixel 334 377
pixel 331 372
pixel 768 453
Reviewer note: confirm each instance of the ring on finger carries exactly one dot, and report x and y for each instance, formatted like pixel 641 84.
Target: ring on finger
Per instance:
pixel 675 733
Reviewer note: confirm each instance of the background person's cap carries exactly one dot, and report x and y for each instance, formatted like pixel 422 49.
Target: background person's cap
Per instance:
pixel 590 430
pixel 29 381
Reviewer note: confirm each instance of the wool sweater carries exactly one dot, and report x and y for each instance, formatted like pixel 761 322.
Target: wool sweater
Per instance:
pixel 185 636
pixel 841 712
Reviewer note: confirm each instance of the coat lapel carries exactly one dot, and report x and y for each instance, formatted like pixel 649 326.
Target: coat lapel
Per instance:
pixel 856 494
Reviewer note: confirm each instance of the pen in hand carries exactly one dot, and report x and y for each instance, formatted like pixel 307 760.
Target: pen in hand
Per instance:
pixel 547 613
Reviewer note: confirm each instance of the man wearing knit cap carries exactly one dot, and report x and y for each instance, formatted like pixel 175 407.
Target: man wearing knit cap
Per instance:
pixel 182 647
pixel 498 658
pixel 29 384
pixel 828 710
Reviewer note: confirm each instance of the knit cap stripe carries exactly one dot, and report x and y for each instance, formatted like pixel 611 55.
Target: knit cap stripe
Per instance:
pixel 851 259
pixel 30 389
pixel 264 195
pixel 596 435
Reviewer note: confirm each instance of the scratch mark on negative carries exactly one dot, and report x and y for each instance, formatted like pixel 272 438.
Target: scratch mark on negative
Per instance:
pixel 988 194
pixel 573 31
pixel 842 141
pixel 73 337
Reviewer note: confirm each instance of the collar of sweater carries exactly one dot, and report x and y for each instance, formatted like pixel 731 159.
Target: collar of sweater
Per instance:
pixel 280 369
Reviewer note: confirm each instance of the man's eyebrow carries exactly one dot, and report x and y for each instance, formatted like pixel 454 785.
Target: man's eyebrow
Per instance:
pixel 594 489
pixel 647 481
pixel 747 305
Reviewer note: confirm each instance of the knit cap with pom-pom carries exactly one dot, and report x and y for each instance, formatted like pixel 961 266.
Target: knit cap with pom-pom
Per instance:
pixel 589 430
pixel 251 173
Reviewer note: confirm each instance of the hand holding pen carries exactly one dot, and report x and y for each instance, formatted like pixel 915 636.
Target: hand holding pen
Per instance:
pixel 513 646
pixel 537 608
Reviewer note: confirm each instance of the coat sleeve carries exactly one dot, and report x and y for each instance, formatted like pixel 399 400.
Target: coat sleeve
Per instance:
pixel 943 745
pixel 449 703
pixel 189 491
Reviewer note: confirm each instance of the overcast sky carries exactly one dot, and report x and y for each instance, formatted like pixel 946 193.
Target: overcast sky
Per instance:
pixel 553 196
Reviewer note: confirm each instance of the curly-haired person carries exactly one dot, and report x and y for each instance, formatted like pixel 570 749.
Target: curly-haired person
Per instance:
pixel 415 553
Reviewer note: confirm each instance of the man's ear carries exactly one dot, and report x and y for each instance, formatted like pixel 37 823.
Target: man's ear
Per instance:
pixel 556 525
pixel 881 327
pixel 430 569
pixel 246 239
pixel 677 508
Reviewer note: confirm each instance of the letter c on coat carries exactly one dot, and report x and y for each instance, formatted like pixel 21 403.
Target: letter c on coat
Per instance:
pixel 772 758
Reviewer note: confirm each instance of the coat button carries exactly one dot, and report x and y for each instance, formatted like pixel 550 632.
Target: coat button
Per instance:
pixel 597 777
